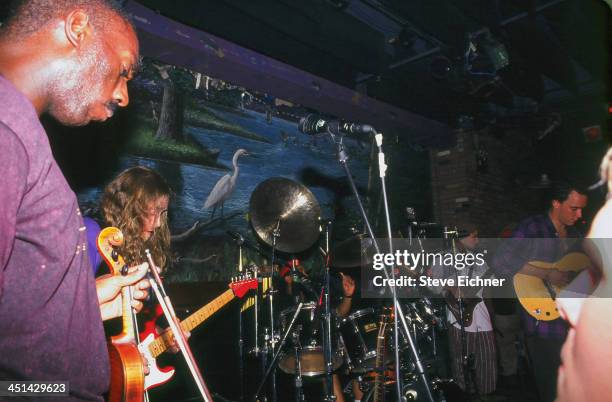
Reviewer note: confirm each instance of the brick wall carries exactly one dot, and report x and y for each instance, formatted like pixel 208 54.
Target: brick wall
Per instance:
pixel 493 196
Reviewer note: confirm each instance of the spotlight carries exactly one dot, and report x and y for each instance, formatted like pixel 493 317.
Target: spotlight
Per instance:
pixel 440 67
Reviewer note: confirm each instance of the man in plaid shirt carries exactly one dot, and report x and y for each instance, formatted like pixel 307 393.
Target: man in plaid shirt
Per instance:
pixel 546 238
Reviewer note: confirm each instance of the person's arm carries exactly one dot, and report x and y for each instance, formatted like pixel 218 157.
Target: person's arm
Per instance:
pixel 93 230
pixel 513 258
pixel 14 173
pixel 348 290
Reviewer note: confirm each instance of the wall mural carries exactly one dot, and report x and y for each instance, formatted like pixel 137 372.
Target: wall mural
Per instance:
pixel 198 131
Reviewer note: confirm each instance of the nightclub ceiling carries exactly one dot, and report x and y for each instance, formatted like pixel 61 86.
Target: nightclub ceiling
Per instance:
pixel 417 63
pixel 439 58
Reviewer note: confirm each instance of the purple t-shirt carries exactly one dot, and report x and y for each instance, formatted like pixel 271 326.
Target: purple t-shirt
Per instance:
pixel 50 324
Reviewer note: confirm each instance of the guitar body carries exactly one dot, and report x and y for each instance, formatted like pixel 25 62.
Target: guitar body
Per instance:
pixel 469 300
pixel 532 292
pixel 468 308
pixel 127 375
pixel 157 376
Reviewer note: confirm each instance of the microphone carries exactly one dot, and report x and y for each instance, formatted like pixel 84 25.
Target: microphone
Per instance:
pixel 313 124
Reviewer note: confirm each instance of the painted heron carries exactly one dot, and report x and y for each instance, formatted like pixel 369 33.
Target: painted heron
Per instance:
pixel 225 186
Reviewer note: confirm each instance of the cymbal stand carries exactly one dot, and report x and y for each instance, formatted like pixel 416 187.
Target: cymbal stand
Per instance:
pixel 399 314
pixel 272 364
pixel 299 392
pixel 273 334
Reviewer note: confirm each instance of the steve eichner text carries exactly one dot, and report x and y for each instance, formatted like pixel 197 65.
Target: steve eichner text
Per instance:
pixel 412 260
pixel 462 280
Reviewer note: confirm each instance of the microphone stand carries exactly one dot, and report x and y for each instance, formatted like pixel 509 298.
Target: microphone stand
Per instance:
pixel 465 358
pixel 240 333
pixel 342 159
pixel 179 336
pixel 327 345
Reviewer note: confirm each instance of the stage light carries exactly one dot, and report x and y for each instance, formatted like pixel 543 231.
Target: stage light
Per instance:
pixel 440 67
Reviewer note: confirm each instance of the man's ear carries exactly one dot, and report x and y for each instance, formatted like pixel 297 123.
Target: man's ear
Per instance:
pixel 77 26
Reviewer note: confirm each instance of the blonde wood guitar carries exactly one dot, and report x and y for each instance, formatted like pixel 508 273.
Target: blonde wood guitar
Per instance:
pixel 538 296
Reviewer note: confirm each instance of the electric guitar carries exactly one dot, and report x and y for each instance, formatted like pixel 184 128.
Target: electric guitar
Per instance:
pixel 469 300
pixel 154 345
pixel 538 296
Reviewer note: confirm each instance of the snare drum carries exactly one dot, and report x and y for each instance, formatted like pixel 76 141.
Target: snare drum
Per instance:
pixel 307 334
pixel 358 333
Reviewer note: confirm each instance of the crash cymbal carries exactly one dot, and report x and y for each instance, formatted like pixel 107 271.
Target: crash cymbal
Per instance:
pixel 288 205
pixel 348 253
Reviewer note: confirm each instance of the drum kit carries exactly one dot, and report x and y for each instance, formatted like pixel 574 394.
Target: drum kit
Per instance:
pixel 308 340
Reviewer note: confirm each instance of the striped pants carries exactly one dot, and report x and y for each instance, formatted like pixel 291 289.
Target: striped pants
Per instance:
pixel 482 346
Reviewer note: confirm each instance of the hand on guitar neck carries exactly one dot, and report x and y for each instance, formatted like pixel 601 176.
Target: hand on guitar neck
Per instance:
pixel 108 289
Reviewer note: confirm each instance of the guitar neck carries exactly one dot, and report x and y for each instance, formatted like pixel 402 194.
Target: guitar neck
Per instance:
pixel 160 344
pixel 379 392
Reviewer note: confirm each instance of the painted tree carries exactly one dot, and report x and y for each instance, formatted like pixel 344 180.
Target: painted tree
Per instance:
pixel 171 117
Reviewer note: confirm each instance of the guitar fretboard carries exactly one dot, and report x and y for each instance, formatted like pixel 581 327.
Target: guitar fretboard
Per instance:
pixel 379 384
pixel 163 342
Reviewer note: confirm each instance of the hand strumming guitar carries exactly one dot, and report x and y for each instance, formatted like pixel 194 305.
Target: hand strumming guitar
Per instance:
pixel 559 278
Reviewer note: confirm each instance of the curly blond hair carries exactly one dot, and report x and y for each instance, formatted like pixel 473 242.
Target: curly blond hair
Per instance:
pixel 125 203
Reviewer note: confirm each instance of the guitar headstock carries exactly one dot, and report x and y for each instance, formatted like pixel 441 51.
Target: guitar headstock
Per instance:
pixel 242 284
pixel 108 239
pixel 385 318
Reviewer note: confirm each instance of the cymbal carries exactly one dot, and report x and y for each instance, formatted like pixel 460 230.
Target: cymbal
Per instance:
pixel 348 253
pixel 290 206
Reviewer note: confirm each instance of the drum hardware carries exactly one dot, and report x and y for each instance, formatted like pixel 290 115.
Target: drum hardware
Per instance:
pixel 272 364
pixel 312 352
pixel 399 314
pixel 308 335
pixel 285 215
pixel 299 393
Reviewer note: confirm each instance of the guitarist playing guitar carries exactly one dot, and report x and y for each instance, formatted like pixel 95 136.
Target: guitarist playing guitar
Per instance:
pixel 473 349
pixel 545 238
